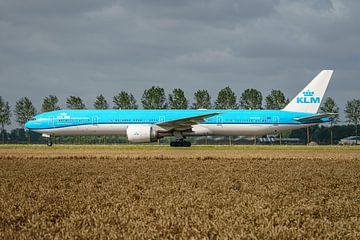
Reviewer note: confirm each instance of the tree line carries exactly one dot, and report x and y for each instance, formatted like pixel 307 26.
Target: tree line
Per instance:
pixel 156 98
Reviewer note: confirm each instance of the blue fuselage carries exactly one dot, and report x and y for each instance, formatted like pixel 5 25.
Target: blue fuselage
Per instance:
pixel 115 122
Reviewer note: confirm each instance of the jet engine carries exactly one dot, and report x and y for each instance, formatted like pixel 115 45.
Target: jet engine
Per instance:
pixel 141 133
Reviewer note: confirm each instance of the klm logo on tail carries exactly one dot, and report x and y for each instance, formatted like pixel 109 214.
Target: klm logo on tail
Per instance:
pixel 308 98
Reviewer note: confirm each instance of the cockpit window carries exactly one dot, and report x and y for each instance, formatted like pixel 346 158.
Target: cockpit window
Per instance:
pixel 33 119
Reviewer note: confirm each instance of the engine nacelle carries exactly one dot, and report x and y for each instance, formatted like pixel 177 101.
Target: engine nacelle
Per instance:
pixel 141 133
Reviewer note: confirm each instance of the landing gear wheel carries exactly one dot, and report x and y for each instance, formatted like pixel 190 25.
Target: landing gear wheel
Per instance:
pixel 49 143
pixel 180 144
pixel 175 144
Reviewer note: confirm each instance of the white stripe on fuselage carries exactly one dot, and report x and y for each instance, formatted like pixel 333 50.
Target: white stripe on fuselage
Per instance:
pixel 197 130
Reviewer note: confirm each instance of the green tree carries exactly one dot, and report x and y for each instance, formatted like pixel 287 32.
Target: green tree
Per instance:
pixel 24 111
pixel 276 100
pixel 352 113
pixel 5 115
pixel 50 103
pixel 177 99
pixel 251 99
pixel 100 102
pixel 74 102
pixel 329 106
pixel 154 98
pixel 226 99
pixel 124 100
pixel 202 99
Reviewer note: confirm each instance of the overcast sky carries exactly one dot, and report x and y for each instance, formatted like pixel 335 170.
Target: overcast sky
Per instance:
pixel 92 47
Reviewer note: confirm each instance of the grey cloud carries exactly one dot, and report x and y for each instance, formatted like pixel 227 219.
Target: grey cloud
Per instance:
pixel 215 13
pixel 91 47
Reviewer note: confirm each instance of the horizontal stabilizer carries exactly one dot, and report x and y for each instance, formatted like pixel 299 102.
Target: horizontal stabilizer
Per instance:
pixel 316 117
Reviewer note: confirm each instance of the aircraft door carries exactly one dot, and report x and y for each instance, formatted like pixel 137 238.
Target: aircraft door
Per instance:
pixel 276 120
pixel 162 119
pixel 51 122
pixel 95 120
pixel 219 121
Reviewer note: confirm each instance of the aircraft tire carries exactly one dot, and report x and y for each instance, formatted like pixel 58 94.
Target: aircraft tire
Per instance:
pixel 175 144
pixel 180 144
pixel 49 143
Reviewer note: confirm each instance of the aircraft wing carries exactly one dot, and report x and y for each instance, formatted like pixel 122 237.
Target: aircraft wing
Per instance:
pixel 186 123
pixel 316 117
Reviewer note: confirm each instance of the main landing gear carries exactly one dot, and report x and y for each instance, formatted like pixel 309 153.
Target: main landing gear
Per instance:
pixel 180 143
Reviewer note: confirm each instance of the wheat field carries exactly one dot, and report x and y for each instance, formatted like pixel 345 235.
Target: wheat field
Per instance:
pixel 157 192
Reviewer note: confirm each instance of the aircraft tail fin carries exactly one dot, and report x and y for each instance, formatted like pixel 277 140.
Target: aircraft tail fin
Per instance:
pixel 309 99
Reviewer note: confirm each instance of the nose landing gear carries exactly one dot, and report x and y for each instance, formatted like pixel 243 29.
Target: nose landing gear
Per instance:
pixel 49 143
pixel 49 138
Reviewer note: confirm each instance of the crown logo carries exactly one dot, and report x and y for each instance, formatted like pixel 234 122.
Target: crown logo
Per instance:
pixel 308 93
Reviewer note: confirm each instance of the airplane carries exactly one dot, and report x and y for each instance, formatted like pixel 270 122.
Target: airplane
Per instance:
pixel 145 126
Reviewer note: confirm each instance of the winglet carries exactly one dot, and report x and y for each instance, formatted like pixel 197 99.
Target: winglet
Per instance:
pixel 309 99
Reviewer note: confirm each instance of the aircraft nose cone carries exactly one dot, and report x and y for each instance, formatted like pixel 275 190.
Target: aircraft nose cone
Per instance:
pixel 28 124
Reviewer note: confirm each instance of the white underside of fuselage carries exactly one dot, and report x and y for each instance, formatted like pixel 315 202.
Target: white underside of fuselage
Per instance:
pixel 197 130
